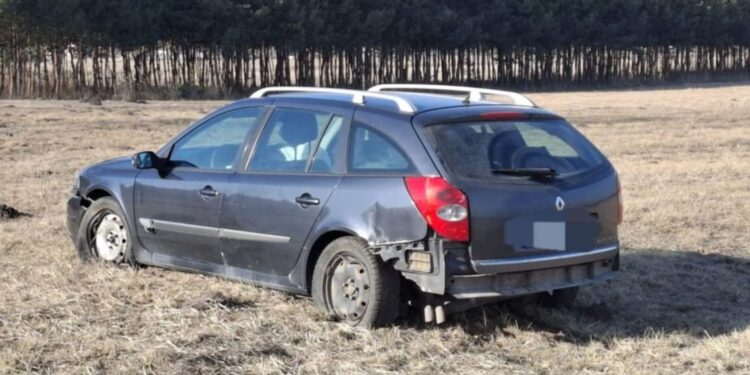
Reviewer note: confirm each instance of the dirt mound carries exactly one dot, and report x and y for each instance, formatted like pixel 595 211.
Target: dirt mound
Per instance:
pixel 8 212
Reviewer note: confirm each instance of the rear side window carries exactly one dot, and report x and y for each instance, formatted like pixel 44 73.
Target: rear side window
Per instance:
pixel 474 150
pixel 372 152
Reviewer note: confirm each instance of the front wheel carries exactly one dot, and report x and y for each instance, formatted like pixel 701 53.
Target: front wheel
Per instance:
pixel 352 284
pixel 104 234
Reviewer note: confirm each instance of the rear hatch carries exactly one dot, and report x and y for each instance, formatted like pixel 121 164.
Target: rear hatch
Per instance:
pixel 535 186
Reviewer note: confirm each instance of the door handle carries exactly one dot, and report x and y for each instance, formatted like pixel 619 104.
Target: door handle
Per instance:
pixel 306 200
pixel 209 192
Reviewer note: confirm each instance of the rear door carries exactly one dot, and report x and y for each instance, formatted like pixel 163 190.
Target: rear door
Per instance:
pixel 178 208
pixel 269 208
pixel 515 216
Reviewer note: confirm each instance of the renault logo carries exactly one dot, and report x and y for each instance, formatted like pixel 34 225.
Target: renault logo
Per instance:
pixel 559 203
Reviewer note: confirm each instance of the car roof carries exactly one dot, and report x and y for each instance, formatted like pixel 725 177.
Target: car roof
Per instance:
pixel 422 102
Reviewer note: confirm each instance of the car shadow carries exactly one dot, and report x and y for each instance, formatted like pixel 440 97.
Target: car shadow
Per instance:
pixel 657 291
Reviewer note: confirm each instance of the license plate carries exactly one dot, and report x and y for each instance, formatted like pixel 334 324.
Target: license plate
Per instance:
pixel 549 235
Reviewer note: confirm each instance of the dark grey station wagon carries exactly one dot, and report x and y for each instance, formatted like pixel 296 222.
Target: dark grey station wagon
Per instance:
pixel 437 197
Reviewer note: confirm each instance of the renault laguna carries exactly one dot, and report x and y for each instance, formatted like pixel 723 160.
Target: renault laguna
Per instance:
pixel 438 197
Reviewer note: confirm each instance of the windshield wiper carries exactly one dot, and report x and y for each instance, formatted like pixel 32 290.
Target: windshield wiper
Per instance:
pixel 544 173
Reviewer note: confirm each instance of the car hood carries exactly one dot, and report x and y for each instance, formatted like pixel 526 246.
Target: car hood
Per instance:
pixel 120 163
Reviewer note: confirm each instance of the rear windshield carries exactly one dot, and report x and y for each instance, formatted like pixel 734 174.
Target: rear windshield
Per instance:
pixel 474 150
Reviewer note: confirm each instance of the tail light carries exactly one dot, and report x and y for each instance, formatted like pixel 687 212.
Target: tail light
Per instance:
pixel 443 206
pixel 620 209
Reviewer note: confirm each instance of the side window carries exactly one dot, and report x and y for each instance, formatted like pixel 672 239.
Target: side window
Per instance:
pixel 373 152
pixel 216 144
pixel 328 149
pixel 288 140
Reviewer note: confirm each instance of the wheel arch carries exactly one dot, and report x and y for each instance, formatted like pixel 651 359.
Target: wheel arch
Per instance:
pixel 97 193
pixel 317 248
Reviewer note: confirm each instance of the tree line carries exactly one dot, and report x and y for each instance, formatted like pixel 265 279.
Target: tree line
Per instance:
pixel 134 49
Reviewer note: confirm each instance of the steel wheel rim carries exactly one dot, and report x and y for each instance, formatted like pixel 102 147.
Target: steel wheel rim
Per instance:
pixel 347 287
pixel 108 237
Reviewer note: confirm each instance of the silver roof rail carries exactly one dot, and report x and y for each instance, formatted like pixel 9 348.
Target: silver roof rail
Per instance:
pixel 474 94
pixel 358 97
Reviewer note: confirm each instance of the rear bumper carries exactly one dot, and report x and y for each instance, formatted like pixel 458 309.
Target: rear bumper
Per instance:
pixel 494 266
pixel 532 281
pixel 454 274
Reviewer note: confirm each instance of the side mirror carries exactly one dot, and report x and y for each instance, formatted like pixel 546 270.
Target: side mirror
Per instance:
pixel 146 160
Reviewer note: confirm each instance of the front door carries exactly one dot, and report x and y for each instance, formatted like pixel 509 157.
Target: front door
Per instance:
pixel 270 207
pixel 178 207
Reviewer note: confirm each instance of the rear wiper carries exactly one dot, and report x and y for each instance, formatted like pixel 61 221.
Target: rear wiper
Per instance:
pixel 545 173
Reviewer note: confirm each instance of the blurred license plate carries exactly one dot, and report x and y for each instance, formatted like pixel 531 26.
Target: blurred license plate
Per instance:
pixel 549 235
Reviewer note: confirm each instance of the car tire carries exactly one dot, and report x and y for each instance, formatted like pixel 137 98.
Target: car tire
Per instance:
pixel 354 285
pixel 559 298
pixel 104 234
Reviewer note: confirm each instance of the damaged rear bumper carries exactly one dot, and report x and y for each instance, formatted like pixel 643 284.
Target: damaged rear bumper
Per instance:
pixel 492 266
pixel 454 275
pixel 530 281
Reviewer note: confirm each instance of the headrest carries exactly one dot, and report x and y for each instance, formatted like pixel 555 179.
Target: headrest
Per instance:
pixel 297 127
pixel 503 146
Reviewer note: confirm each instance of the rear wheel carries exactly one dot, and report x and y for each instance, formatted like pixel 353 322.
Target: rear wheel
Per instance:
pixel 104 234
pixel 352 284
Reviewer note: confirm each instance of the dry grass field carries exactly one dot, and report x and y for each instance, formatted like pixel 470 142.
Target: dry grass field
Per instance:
pixel 681 305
